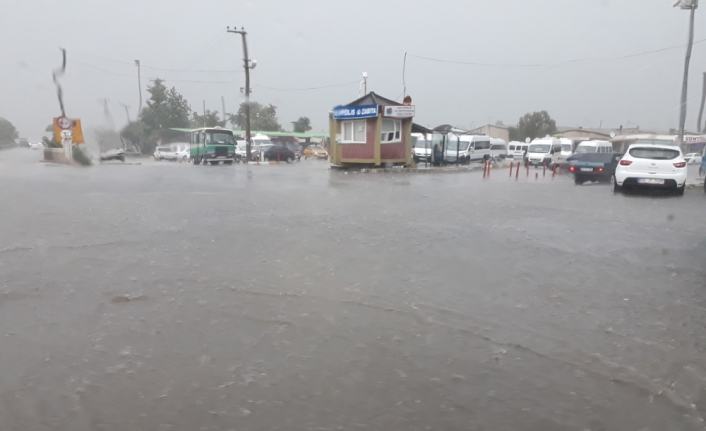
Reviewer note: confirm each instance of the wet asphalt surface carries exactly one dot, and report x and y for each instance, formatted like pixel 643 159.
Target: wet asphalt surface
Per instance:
pixel 166 296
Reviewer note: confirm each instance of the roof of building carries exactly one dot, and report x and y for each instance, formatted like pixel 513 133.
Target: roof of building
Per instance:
pixel 497 126
pixel 373 99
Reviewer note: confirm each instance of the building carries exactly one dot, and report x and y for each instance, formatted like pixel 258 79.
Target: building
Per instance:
pixel 599 134
pixel 372 130
pixel 494 131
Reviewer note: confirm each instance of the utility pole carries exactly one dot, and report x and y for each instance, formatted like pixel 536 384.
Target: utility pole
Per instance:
pixel 223 104
pixel 692 5
pixel 127 110
pixel 139 87
pixel 701 112
pixel 204 113
pixel 246 64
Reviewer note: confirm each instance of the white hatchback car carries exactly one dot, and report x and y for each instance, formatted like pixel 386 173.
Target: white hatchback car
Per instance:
pixel 651 166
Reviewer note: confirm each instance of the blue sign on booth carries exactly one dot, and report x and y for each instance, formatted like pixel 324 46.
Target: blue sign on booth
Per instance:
pixel 352 112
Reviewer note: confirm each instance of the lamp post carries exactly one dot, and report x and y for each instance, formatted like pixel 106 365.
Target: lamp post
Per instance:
pixel 248 65
pixel 692 5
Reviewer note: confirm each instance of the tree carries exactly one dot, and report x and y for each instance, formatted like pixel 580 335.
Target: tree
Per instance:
pixel 211 119
pixel 135 133
pixel 262 118
pixel 8 133
pixel 533 125
pixel 302 125
pixel 166 109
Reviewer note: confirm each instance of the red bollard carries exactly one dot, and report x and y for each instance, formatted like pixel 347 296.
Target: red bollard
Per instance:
pixel 485 167
pixel 536 176
pixel 257 160
pixel 511 163
pixel 527 169
pixel 517 173
pixel 553 171
pixel 489 166
pixel 278 159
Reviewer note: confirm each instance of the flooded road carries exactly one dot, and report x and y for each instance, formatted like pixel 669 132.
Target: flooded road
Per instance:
pixel 165 296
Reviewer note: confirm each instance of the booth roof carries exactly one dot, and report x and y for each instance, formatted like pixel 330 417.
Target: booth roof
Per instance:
pixel 373 99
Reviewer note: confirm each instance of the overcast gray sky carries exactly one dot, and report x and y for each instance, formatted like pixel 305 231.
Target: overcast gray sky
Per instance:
pixel 315 43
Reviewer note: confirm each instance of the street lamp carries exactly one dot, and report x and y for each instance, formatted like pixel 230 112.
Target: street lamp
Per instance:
pixel 692 5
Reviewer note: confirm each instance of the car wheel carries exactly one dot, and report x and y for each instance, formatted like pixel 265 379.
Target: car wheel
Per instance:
pixel 614 183
pixel 680 190
pixel 228 162
pixel 290 160
pixel 214 163
pixel 578 181
pixel 701 172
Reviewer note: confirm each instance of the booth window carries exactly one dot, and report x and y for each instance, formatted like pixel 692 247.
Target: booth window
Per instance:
pixel 353 132
pixel 391 131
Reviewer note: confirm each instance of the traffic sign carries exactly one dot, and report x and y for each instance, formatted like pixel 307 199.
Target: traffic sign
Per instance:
pixel 63 123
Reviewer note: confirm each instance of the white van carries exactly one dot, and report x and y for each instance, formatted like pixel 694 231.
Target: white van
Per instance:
pixel 421 148
pixel 594 147
pixel 516 150
pixel 181 150
pixel 498 149
pixel 543 151
pixel 468 148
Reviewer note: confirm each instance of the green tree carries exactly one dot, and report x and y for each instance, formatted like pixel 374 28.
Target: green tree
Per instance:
pixel 533 125
pixel 166 109
pixel 8 133
pixel 302 125
pixel 211 119
pixel 136 134
pixel 262 118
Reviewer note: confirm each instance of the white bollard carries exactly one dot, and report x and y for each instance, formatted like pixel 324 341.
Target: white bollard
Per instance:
pixel 67 143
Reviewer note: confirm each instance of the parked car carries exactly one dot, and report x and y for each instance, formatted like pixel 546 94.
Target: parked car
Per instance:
pixel 316 151
pixel 594 147
pixel 421 148
pixel 182 151
pixel 37 145
pixel 164 153
pixel 693 159
pixel 498 149
pixel 651 166
pixel 114 154
pixel 543 151
pixel 24 143
pixel 467 148
pixel 564 163
pixel 516 150
pixel 594 167
pixel 284 153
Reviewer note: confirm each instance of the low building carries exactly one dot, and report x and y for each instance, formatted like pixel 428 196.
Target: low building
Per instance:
pixel 372 130
pixel 494 131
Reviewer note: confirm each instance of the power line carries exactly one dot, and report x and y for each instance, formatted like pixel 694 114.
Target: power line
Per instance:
pixel 163 68
pixel 307 88
pixel 217 82
pixel 563 63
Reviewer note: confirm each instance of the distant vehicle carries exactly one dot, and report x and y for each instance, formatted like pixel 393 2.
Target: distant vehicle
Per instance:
pixel 467 148
pixel 315 151
pixel 24 143
pixel 498 148
pixel 421 148
pixel 594 147
pixel 37 145
pixel 564 164
pixel 182 151
pixel 594 167
pixel 212 145
pixel 544 151
pixel 516 150
pixel 693 158
pixel 164 153
pixel 296 149
pixel 651 166
pixel 284 153
pixel 132 153
pixel 114 154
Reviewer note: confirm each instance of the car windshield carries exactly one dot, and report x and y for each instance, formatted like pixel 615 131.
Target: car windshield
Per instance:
pixel 497 147
pixel 654 153
pixel 219 138
pixel 586 149
pixel 537 148
pixel 565 148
